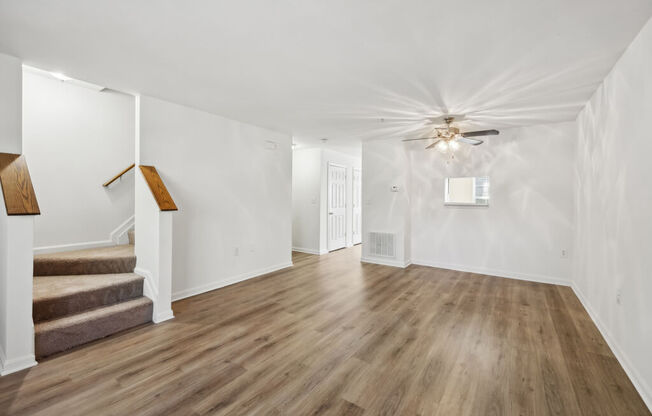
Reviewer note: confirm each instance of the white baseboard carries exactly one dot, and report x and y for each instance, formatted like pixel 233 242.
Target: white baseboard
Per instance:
pixel 186 293
pixel 15 365
pixel 73 246
pixel 539 278
pixel 163 316
pixel 309 251
pixel 637 380
pixel 119 235
pixel 149 288
pixel 385 262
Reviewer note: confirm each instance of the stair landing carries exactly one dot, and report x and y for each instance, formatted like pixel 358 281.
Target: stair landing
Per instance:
pixel 114 259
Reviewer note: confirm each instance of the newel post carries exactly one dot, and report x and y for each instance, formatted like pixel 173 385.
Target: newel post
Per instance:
pixel 17 212
pixel 154 211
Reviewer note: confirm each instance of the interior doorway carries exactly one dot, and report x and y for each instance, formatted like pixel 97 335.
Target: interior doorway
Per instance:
pixel 336 206
pixel 326 215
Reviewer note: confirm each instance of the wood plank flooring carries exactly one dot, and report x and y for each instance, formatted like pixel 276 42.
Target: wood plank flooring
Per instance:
pixel 332 336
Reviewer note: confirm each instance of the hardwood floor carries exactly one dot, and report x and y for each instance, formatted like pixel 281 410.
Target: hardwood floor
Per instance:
pixel 331 336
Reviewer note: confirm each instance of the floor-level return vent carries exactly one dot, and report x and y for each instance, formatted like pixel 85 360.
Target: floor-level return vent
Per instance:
pixel 381 245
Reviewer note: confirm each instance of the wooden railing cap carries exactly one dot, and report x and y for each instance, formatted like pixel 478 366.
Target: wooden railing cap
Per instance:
pixel 156 185
pixel 16 184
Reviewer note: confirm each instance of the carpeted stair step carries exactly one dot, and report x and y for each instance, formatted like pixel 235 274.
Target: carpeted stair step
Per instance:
pixel 59 296
pixel 70 331
pixel 114 259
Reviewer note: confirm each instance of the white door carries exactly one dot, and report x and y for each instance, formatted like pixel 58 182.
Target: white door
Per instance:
pixel 357 206
pixel 336 207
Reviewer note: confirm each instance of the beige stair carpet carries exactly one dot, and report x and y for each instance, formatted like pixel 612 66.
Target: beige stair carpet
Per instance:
pixel 84 295
pixel 115 259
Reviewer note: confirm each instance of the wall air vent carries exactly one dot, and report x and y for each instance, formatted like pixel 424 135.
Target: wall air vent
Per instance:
pixel 382 245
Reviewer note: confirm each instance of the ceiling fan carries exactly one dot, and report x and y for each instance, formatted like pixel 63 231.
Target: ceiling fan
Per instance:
pixel 449 137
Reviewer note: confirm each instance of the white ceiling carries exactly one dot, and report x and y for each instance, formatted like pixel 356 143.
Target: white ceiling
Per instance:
pixel 335 68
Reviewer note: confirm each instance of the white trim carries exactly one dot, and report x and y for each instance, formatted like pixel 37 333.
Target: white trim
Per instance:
pixel 15 365
pixel 163 316
pixel 637 380
pixel 119 235
pixel 186 293
pixel 346 204
pixel 149 289
pixel 116 237
pixel 73 246
pixel 309 251
pixel 386 262
pixel 530 277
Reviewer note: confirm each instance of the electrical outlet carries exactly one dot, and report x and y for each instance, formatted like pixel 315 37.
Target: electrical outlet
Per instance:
pixel 564 253
pixel 619 297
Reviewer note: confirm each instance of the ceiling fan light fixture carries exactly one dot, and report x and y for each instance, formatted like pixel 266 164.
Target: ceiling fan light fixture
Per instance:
pixel 442 146
pixel 454 144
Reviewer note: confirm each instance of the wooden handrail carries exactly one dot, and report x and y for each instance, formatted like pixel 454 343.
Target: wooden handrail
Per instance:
pixel 119 175
pixel 156 185
pixel 16 184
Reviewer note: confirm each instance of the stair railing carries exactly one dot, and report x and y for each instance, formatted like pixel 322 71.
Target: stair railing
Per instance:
pixel 119 175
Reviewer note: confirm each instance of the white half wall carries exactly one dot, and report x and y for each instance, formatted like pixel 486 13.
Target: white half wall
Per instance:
pixel 232 183
pixel 16 283
pixel 153 249
pixel 16 239
pixel 75 139
pixel 528 222
pixel 612 263
pixel 11 73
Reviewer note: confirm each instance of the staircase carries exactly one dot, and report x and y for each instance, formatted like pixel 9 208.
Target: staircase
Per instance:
pixel 84 295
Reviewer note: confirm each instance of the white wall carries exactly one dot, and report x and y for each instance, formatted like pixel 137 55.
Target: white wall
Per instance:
pixel 306 196
pixel 10 104
pixel 385 164
pixel 75 139
pixel 528 221
pixel 613 237
pixel 233 190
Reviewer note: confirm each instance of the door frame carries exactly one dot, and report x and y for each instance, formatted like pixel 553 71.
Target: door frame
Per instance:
pixel 346 205
pixel 353 207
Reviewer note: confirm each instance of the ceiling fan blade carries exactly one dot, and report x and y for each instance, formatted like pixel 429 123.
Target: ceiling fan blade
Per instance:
pixel 430 146
pixel 420 138
pixel 480 133
pixel 473 142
